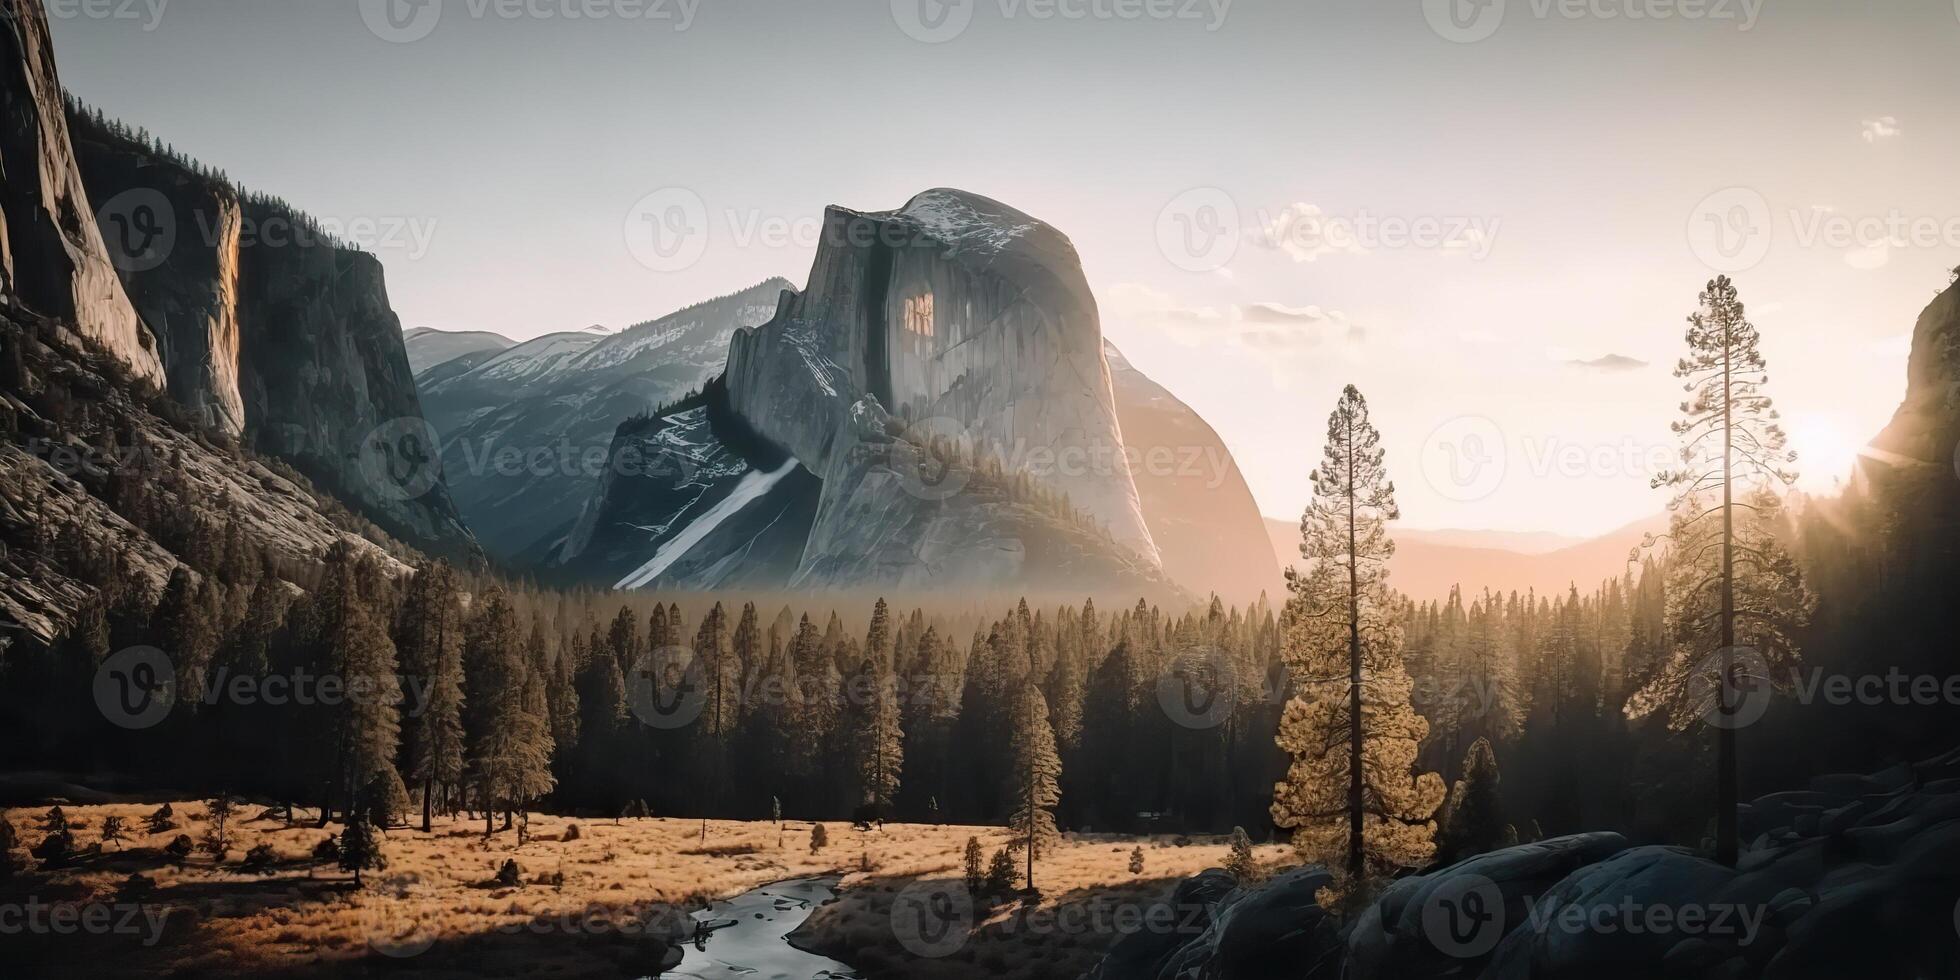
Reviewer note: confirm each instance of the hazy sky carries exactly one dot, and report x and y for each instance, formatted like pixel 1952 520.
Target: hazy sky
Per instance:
pixel 1273 198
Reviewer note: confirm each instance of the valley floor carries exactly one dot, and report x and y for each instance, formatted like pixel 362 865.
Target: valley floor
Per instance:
pixel 610 899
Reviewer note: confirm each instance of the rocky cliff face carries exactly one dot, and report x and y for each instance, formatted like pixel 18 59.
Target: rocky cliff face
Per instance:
pixel 964 318
pixel 1200 511
pixel 283 339
pixel 526 429
pixel 1002 467
pixel 188 293
pixel 322 370
pixel 52 256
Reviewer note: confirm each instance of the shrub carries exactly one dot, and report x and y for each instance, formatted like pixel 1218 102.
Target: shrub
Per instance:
pixel 179 849
pixel 976 872
pixel 112 831
pixel 360 849
pixel 1136 861
pixel 55 821
pixel 1002 875
pixel 510 875
pixel 8 841
pixel 819 838
pixel 327 850
pixel 138 886
pixel 57 849
pixel 572 833
pixel 259 859
pixel 164 819
pixel 1239 863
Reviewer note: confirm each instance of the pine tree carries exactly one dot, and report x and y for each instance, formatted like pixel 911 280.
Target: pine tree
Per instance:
pixel 1353 735
pixel 9 840
pixel 429 634
pixel 360 848
pixel 878 748
pixel 1035 782
pixel 1476 821
pixel 510 747
pixel 1730 580
pixel 367 723
pixel 1136 861
pixel 973 866
pixel 184 629
pixel 1238 859
pixel 113 831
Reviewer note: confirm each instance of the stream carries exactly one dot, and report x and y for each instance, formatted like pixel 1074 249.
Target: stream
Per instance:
pixel 748 938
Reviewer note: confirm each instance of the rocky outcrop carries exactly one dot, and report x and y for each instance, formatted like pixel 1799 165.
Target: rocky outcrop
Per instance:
pixel 1201 514
pixel 52 257
pixel 187 293
pixel 1856 875
pixel 322 371
pixel 526 429
pixel 1000 464
pixel 969 321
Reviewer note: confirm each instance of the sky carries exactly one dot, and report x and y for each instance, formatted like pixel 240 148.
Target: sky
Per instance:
pixel 1492 216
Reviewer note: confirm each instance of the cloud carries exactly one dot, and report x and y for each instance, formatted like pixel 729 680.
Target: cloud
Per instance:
pixel 1266 327
pixel 1306 233
pixel 1884 127
pixel 1609 362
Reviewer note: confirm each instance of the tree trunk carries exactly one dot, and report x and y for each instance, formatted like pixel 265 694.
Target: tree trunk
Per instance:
pixel 1725 770
pixel 428 804
pixel 1356 862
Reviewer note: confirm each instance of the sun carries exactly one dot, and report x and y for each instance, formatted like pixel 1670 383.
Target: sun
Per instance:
pixel 1826 449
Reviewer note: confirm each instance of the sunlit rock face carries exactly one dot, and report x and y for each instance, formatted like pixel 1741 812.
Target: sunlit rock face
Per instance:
pixel 189 299
pixel 963 318
pixel 52 257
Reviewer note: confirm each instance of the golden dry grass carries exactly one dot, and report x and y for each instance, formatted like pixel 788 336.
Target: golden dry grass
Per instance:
pixel 622 882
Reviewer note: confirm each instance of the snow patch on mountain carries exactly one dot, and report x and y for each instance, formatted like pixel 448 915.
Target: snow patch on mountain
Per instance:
pixel 752 487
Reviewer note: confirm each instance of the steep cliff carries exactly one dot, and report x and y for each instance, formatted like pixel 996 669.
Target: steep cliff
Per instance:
pixel 281 337
pixel 1002 468
pixel 964 317
pixel 322 370
pixel 187 293
pixel 52 257
pixel 1201 513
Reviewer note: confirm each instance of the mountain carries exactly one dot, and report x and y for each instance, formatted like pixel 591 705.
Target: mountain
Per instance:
pixel 52 257
pixel 428 347
pixel 1428 563
pixel 526 428
pixel 1200 512
pixel 283 339
pixel 999 463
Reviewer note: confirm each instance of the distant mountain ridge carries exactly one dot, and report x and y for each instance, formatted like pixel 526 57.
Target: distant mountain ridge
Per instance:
pixel 1428 563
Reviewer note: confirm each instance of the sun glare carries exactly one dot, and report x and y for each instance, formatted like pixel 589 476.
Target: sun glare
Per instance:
pixel 1826 449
